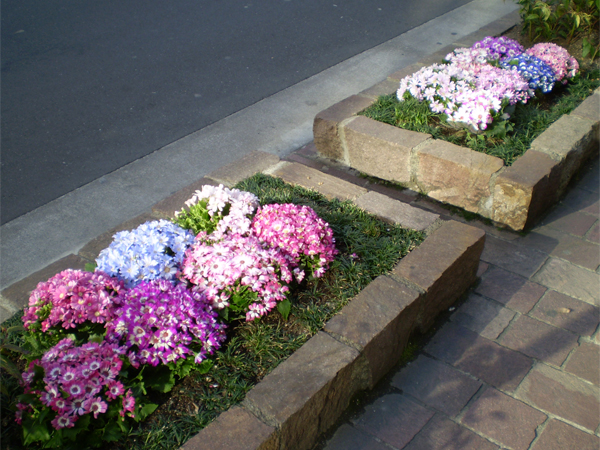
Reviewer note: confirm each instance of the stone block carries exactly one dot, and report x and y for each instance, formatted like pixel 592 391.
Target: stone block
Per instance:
pixel 16 296
pixel 504 419
pixel 235 429
pixel 307 393
pixel 590 109
pixel 576 222
pixel 166 208
pixel 585 362
pixel 539 340
pixel 563 395
pixel 517 293
pixel 394 419
pixel 385 87
pixel 404 72
pixel 483 316
pixel 443 266
pixel 436 384
pixel 243 168
pixel 396 212
pixel 569 279
pixel 379 149
pixel 525 190
pixel 456 175
pixel 325 125
pixel 480 357
pixel 442 433
pixel 378 323
pixel 559 436
pixel 570 140
pixel 329 186
pixel 566 312
pixel 92 249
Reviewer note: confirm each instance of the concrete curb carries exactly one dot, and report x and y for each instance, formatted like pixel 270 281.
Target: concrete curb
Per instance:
pixel 291 407
pixel 515 196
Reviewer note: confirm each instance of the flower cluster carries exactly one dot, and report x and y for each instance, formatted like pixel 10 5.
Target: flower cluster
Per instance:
pixel 538 74
pixel 153 250
pixel 237 273
pixel 160 323
pixel 77 381
pixel 560 61
pixel 469 90
pixel 305 240
pixel 70 298
pixel 499 47
pixel 218 210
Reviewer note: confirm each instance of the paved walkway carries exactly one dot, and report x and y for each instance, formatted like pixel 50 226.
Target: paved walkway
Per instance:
pixel 516 366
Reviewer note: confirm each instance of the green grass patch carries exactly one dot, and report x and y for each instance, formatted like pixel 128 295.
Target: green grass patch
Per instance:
pixel 529 120
pixel 368 247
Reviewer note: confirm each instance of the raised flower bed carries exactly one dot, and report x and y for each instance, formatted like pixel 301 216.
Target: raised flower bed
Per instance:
pixel 306 393
pixel 514 196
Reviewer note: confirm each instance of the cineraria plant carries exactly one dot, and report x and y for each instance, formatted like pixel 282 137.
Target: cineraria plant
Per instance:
pixel 162 323
pixel 499 47
pixel 560 61
pixel 237 274
pixel 70 301
pixel 218 210
pixel 304 239
pixel 152 250
pixel 67 386
pixel 536 72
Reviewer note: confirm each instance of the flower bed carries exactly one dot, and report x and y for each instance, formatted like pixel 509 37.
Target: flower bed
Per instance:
pixel 158 331
pixel 512 196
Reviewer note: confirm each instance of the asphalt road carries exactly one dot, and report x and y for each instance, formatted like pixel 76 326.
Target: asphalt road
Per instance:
pixel 88 87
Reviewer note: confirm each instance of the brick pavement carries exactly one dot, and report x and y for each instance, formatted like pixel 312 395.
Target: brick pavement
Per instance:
pixel 517 364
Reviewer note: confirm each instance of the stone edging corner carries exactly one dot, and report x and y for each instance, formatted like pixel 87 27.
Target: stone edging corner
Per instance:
pixel 514 196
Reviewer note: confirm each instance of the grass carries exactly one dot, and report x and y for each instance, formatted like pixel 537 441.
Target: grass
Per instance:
pixel 255 349
pixel 529 120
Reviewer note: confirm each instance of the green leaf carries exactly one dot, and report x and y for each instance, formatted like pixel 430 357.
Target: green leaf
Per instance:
pixel 90 267
pixel 204 366
pixel 35 429
pixel 146 410
pixel 10 367
pixel 284 307
pixel 112 431
pixel 159 378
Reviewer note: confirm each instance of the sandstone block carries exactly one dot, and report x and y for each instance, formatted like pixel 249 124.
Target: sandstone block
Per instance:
pixel 406 71
pixel 384 87
pixel 243 168
pixel 443 266
pixel 227 429
pixel 325 125
pixel 395 211
pixel 377 322
pixel 456 175
pixel 379 149
pixel 329 186
pixel 525 190
pixel 306 394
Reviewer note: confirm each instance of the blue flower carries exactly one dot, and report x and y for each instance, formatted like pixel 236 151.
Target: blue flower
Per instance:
pixel 538 74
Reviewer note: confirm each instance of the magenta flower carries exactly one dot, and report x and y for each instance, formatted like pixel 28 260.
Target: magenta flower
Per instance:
pixel 560 61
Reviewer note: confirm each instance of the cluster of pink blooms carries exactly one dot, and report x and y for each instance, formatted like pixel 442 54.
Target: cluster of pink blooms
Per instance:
pixel 304 239
pixel 72 297
pixel 560 61
pixel 471 91
pixel 77 381
pixel 230 267
pixel 160 323
pixel 228 208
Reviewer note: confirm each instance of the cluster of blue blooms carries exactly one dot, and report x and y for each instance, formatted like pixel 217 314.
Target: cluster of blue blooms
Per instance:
pixel 153 250
pixel 538 74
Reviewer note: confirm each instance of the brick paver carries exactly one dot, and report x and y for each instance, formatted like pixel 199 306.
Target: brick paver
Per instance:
pixel 559 436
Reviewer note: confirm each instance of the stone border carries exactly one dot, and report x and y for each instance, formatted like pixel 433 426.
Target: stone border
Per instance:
pixel 305 395
pixel 514 196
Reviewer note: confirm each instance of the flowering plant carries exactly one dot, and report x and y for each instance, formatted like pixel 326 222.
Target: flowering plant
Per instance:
pixel 160 323
pixel 72 301
pixel 499 47
pixel 238 275
pixel 304 239
pixel 538 74
pixel 68 385
pixel 153 250
pixel 563 65
pixel 218 210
